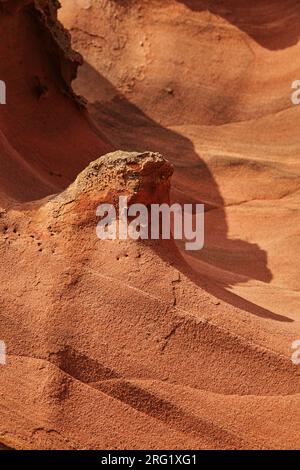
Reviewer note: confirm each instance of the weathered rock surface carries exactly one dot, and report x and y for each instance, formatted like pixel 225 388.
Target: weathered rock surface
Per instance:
pixel 123 344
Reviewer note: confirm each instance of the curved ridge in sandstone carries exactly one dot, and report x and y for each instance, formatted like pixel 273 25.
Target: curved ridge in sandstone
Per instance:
pixel 208 84
pixel 124 327
pixel 134 344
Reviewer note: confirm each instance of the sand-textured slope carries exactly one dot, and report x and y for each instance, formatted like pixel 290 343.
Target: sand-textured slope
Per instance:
pixel 208 84
pixel 115 344
pixel 123 344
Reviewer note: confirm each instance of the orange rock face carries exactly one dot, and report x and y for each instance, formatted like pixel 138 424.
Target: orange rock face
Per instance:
pixel 132 344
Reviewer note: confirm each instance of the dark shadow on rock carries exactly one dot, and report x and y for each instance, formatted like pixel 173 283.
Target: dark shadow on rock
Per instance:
pixel 272 24
pixel 80 366
pixel 170 252
pixel 167 412
pixel 129 128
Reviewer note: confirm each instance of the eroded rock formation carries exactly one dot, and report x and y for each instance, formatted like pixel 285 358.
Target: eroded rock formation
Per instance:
pixel 128 344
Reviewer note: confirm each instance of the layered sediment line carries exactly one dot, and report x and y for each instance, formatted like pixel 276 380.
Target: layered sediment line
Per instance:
pixel 129 344
pixel 120 330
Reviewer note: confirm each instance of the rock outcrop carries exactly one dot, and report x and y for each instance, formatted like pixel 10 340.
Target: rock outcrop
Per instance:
pixel 141 177
pixel 46 137
pixel 130 344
